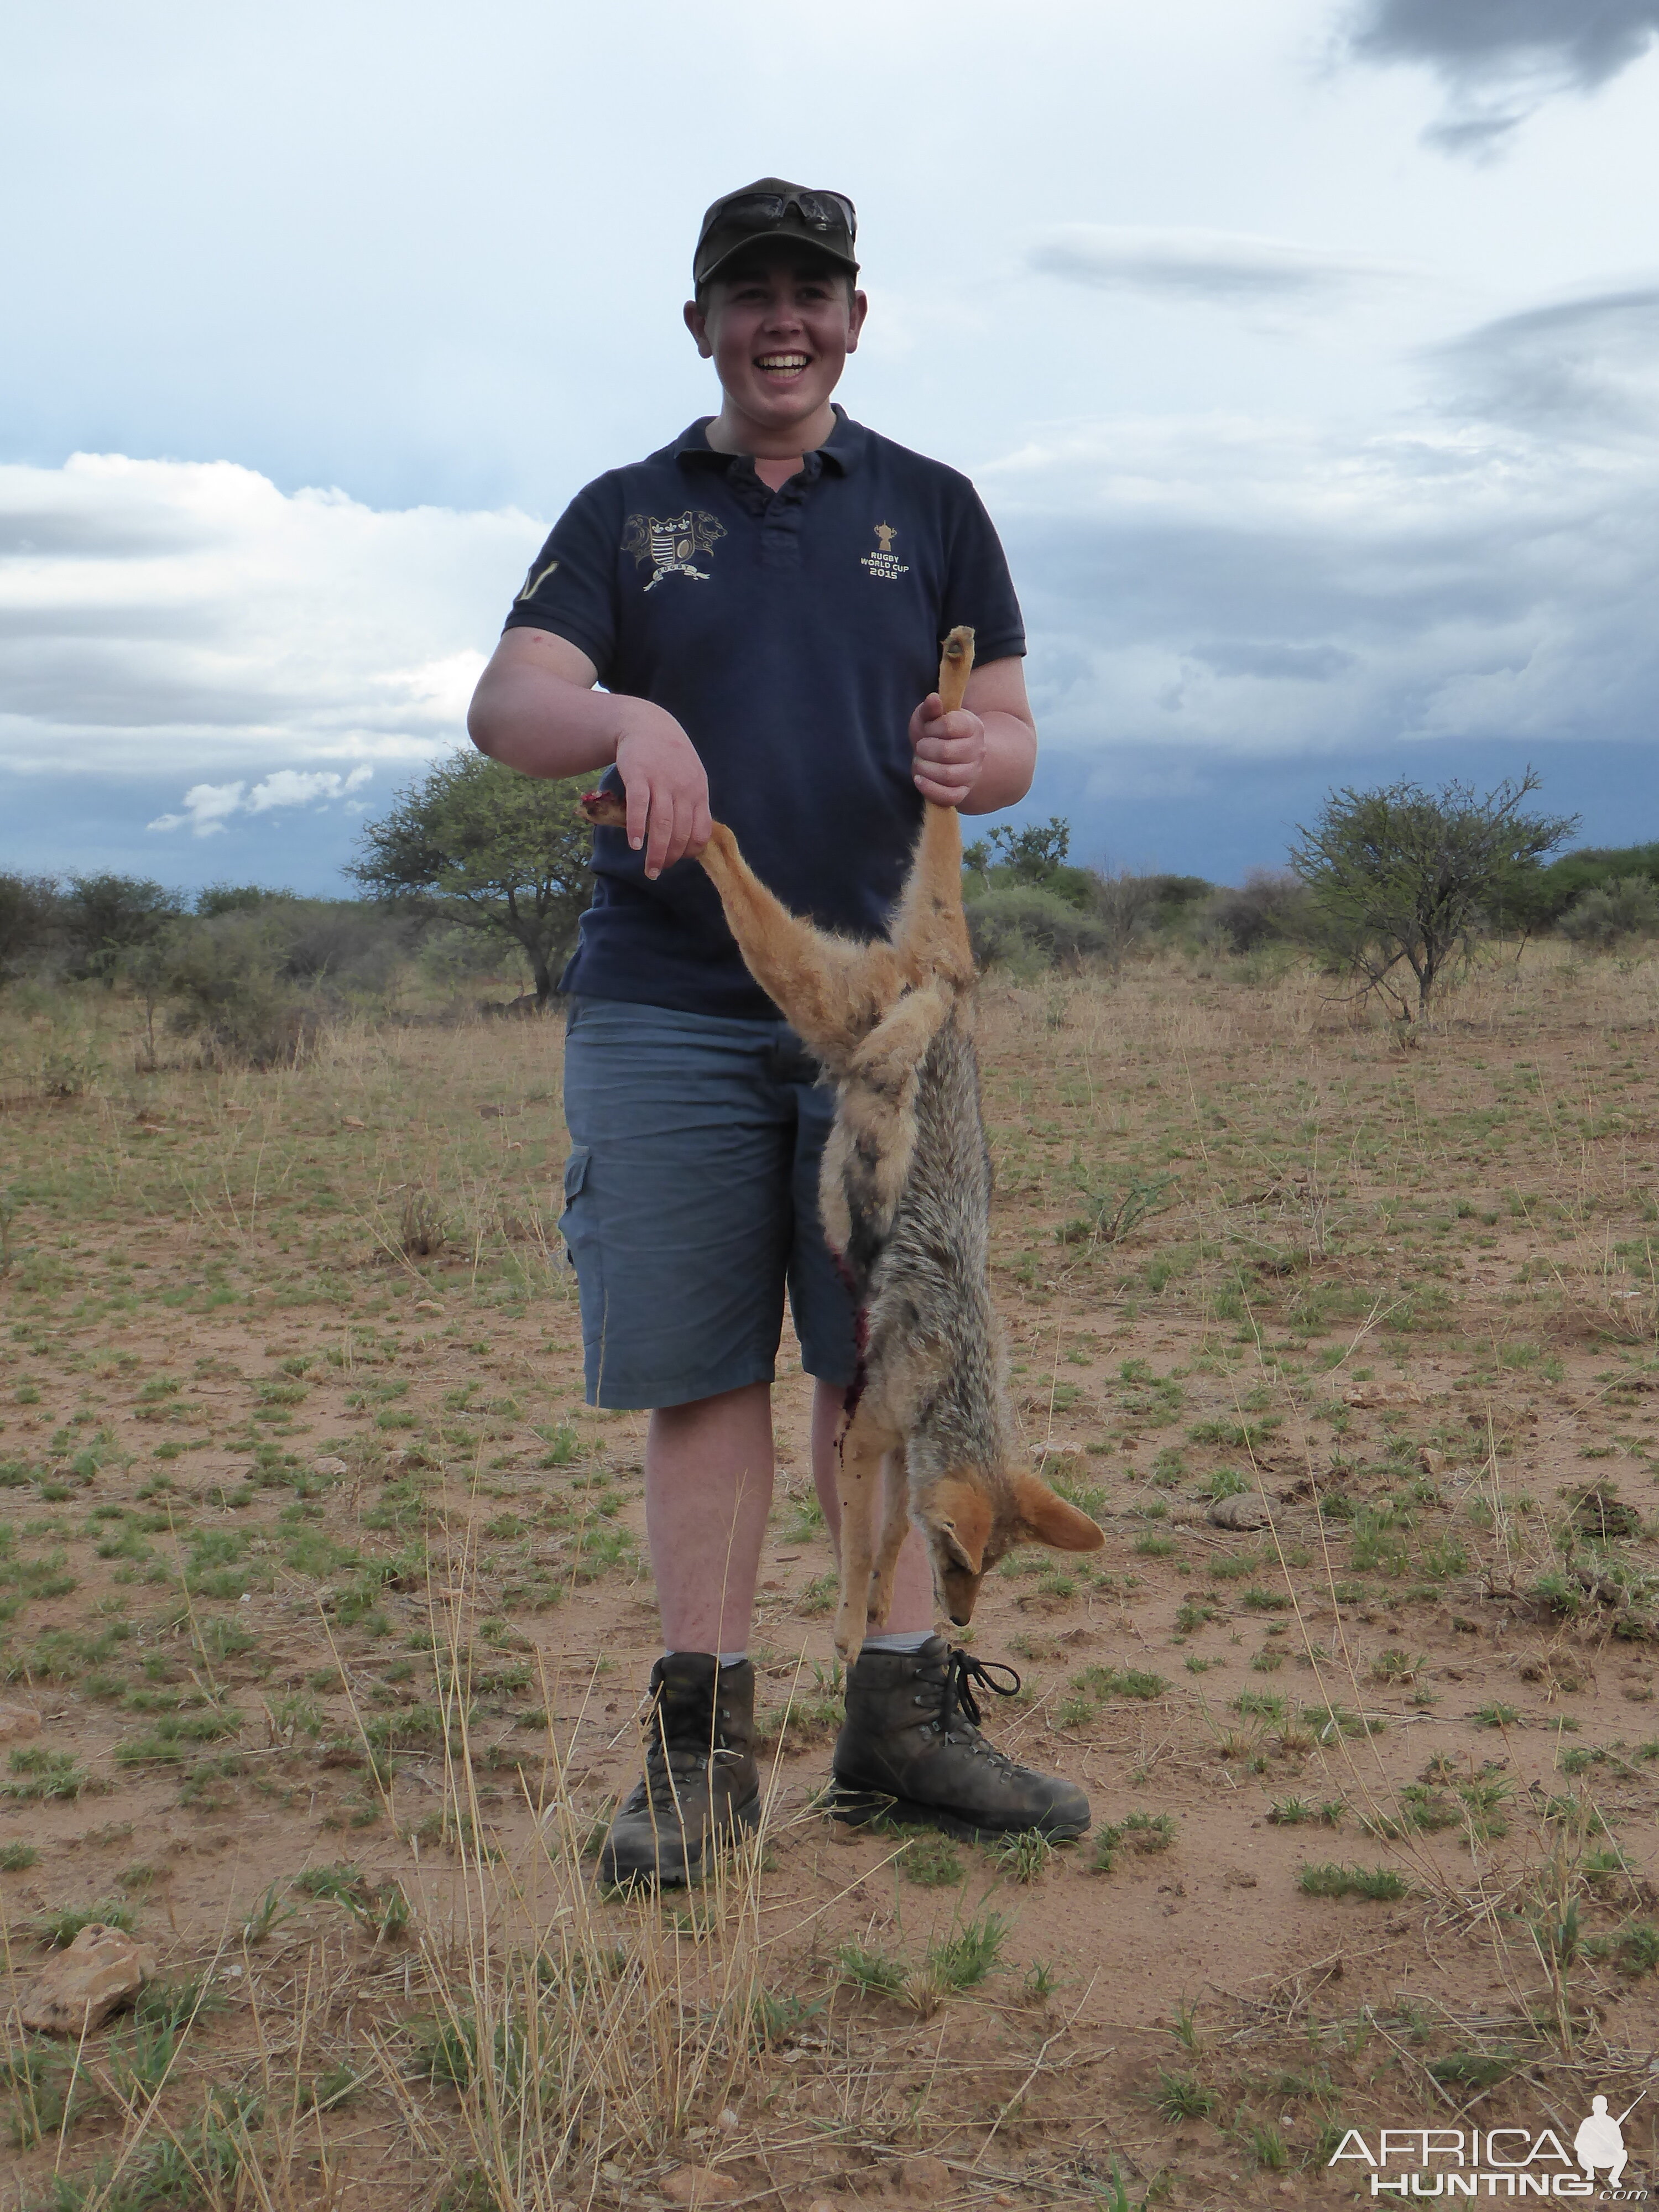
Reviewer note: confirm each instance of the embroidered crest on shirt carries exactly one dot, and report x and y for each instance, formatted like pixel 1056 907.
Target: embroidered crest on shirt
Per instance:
pixel 673 546
pixel 883 562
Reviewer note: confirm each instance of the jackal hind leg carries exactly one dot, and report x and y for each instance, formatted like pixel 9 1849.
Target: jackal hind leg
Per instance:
pixel 858 1480
pixel 895 1528
pixel 832 990
pixel 867 1157
pixel 930 930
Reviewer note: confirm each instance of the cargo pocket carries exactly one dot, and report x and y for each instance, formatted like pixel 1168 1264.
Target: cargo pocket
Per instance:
pixel 572 1220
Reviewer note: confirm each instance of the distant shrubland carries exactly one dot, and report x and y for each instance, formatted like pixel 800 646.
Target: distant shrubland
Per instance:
pixel 477 877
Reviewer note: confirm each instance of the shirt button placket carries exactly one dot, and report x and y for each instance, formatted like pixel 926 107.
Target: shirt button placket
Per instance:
pixel 781 534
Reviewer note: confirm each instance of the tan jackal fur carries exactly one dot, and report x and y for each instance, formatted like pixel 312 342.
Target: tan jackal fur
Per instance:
pixel 905 1193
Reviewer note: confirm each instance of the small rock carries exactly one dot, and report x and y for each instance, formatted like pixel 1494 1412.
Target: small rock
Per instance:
pixel 1373 1397
pixel 350 1122
pixel 926 2176
pixel 1432 1462
pixel 1599 1514
pixel 428 1305
pixel 1243 1510
pixel 102 1969
pixel 728 2122
pixel 329 1464
pixel 18 1723
pixel 823 2205
pixel 698 2184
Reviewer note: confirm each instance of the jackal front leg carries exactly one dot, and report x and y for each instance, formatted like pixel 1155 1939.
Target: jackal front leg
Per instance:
pixel 832 991
pixel 858 1485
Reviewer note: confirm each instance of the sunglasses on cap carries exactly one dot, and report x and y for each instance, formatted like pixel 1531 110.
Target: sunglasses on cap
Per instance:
pixel 821 209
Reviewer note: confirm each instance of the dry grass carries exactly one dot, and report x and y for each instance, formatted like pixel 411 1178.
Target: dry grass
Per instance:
pixel 331 1597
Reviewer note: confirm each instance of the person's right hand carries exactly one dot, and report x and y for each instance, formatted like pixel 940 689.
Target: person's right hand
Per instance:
pixel 667 793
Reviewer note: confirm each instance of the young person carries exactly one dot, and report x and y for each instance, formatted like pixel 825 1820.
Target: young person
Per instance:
pixel 763 600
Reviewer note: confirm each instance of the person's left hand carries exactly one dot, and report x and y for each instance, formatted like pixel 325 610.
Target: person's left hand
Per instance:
pixel 948 751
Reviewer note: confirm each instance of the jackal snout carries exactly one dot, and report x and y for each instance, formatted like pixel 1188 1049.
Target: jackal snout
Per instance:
pixel 971 1521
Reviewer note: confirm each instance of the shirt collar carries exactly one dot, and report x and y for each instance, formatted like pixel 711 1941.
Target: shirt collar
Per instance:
pixel 841 451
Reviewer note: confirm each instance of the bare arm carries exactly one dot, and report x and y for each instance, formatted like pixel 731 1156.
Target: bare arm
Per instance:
pixel 980 758
pixel 535 709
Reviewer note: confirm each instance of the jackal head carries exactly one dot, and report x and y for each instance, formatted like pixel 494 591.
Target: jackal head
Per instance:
pixel 970 1521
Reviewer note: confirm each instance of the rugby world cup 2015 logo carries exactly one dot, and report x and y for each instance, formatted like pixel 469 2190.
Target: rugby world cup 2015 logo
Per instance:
pixel 1498 2162
pixel 673 546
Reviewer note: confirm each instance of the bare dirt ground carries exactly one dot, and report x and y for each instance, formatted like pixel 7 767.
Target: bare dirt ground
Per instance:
pixel 329 1596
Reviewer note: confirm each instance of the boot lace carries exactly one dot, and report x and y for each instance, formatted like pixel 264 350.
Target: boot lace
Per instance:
pixel 674 1760
pixel 961 1671
pixel 959 1714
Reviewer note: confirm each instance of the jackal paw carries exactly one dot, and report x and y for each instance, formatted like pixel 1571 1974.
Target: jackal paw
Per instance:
pixel 849 1632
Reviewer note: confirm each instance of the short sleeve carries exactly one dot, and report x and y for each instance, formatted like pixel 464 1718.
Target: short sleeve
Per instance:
pixel 978 588
pixel 571 588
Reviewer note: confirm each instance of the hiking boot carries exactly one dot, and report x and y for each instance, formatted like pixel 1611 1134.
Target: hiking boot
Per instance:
pixel 910 1750
pixel 701 1781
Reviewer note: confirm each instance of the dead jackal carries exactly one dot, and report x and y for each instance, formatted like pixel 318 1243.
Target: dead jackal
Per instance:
pixel 905 1193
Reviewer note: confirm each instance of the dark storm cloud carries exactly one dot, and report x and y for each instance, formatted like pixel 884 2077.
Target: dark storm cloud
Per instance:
pixel 133 681
pixel 143 623
pixel 1240 588
pixel 1586 41
pixel 1590 366
pixel 1274 658
pixel 1500 59
pixel 1221 267
pixel 44 535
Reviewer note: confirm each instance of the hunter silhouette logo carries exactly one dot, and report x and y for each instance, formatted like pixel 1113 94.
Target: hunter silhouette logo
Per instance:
pixel 883 562
pixel 1601 2141
pixel 672 547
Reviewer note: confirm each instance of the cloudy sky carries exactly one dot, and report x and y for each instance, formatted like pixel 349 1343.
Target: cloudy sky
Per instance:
pixel 1306 351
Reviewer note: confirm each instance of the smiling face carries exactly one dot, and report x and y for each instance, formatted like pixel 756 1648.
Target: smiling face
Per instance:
pixel 777 324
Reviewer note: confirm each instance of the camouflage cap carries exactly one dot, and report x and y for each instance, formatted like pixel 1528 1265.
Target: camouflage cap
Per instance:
pixel 772 208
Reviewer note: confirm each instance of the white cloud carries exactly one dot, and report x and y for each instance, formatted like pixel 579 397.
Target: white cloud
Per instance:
pixel 208 807
pixel 1220 267
pixel 166 617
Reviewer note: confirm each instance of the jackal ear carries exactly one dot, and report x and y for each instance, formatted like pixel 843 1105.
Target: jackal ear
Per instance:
pixel 961 1517
pixel 1047 1518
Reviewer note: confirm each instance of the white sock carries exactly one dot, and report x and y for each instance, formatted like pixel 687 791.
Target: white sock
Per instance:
pixel 732 1658
pixel 909 1639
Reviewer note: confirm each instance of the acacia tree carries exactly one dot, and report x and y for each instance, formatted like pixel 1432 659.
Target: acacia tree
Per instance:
pixel 107 922
pixel 481 846
pixel 1406 875
pixel 28 905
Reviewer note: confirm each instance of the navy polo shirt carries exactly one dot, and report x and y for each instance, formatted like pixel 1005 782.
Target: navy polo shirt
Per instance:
pixel 791 635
